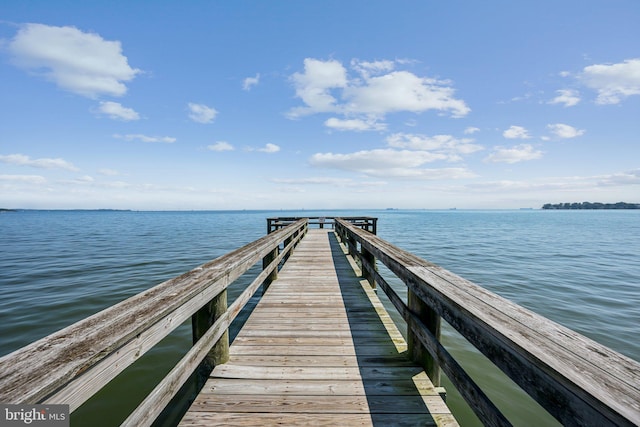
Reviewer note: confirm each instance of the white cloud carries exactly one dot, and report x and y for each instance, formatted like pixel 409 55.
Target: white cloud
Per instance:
pixel 221 146
pixel 341 182
pixel 314 85
pixel 201 113
pixel 516 132
pixel 447 145
pixel 270 148
pixel 631 177
pixel 564 131
pixel 402 91
pixel 519 153
pixel 357 125
pixel 108 172
pixel 82 63
pixel 613 82
pixel 325 87
pixel 389 163
pixel 429 174
pixel 86 179
pixel 116 111
pixel 559 183
pixel 366 69
pixel 568 97
pixel 145 138
pixel 45 163
pixel 249 82
pixel 27 179
pixel 374 159
pixel 471 130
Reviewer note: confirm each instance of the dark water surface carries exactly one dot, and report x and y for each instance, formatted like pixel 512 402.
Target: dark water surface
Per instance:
pixel 578 268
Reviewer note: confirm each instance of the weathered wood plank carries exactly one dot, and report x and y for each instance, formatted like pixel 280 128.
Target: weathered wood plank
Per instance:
pixel 308 341
pixel 313 373
pixel 399 387
pixel 202 419
pixel 319 334
pixel 307 350
pixel 318 404
pixel 322 360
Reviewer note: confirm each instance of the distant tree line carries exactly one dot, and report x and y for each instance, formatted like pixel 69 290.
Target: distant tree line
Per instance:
pixel 589 205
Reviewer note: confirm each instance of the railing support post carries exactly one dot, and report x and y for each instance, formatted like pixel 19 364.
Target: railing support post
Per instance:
pixel 274 274
pixel 368 259
pixel 352 246
pixel 287 241
pixel 417 352
pixel 201 321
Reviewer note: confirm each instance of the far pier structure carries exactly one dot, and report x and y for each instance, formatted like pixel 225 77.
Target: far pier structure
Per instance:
pixel 320 348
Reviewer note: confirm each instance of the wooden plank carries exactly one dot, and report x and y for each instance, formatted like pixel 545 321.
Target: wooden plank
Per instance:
pixel 318 404
pixel 323 333
pixel 322 360
pixel 295 324
pixel 202 419
pixel 313 373
pixel 308 341
pixel 297 350
pixel 399 387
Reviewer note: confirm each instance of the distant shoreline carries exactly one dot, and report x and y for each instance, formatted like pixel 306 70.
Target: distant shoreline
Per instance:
pixel 589 205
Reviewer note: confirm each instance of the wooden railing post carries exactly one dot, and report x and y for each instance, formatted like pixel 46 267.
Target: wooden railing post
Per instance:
pixel 287 241
pixel 417 352
pixel 201 321
pixel 265 263
pixel 368 259
pixel 352 245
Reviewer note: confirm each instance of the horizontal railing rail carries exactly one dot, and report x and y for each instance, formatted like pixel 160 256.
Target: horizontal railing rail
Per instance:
pixel 577 380
pixel 81 359
pixel 365 222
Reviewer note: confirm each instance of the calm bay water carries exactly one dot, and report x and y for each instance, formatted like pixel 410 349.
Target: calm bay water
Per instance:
pixel 578 268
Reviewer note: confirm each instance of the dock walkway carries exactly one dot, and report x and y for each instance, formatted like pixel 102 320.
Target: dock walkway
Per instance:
pixel 319 349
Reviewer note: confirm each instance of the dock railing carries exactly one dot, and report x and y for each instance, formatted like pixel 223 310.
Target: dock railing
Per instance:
pixel 71 365
pixel 365 222
pixel 578 381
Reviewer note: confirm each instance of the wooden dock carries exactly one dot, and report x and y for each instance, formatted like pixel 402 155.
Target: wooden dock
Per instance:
pixel 319 349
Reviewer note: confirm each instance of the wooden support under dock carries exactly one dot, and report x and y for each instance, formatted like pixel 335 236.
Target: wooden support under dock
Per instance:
pixel 319 349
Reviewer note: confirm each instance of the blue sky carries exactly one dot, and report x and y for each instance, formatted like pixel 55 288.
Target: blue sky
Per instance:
pixel 332 104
